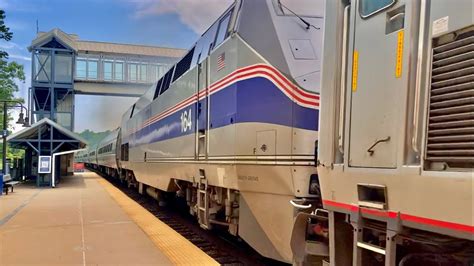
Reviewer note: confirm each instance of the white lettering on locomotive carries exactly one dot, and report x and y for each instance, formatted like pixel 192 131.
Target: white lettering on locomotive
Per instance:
pixel 186 121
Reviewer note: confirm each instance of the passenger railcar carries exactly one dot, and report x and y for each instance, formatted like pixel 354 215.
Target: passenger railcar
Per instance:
pixel 233 126
pixel 106 154
pixel 91 158
pixel 81 156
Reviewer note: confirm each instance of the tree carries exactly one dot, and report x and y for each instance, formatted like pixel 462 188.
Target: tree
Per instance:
pixel 5 33
pixel 10 73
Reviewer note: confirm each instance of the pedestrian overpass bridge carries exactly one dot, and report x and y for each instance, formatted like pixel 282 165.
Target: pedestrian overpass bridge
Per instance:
pixel 64 66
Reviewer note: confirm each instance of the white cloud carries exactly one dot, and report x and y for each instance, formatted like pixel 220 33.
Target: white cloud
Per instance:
pixel 19 57
pixel 10 45
pixel 197 14
pixel 15 51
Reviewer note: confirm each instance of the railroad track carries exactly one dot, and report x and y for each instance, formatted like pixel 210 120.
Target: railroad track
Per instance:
pixel 218 244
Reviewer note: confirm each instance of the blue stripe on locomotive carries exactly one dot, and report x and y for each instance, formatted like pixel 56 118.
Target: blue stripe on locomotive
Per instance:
pixel 252 100
pixel 259 100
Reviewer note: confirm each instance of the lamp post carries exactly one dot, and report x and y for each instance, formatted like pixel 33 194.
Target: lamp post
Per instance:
pixel 21 120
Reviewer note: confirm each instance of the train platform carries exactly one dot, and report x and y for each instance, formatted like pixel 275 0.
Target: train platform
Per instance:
pixel 87 221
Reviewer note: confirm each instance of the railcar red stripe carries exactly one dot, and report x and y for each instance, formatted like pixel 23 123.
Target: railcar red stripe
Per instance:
pixel 404 217
pixel 438 223
pixel 293 86
pixel 286 86
pixel 263 73
pixel 274 71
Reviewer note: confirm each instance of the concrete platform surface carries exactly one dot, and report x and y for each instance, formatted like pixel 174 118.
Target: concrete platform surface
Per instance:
pixel 77 223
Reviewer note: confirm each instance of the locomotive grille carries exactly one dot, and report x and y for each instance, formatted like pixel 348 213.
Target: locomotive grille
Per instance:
pixel 451 103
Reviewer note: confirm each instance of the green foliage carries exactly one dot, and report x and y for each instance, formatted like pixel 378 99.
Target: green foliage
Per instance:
pixel 93 137
pixel 5 33
pixel 11 154
pixel 10 73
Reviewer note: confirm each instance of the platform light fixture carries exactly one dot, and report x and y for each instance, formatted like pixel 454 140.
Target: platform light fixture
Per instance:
pixel 27 122
pixel 21 119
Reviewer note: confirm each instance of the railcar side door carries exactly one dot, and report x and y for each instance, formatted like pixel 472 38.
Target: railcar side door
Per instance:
pixel 381 35
pixel 118 150
pixel 202 110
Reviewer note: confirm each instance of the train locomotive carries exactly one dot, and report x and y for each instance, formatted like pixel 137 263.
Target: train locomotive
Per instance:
pixel 379 174
pixel 233 126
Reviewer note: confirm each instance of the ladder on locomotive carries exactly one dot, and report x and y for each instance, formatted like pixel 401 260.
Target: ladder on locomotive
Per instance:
pixel 359 245
pixel 203 200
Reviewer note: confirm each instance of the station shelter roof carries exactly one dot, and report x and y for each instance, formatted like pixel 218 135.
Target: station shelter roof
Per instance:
pixel 47 136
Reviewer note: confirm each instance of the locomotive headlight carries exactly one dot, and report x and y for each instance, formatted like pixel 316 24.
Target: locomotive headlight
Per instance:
pixel 314 188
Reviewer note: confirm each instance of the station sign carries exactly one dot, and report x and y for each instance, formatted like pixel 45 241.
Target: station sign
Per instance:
pixel 44 165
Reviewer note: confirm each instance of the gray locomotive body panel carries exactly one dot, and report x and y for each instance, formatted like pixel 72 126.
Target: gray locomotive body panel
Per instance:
pixel 385 97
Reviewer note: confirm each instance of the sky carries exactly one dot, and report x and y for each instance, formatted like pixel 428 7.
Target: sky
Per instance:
pixel 169 23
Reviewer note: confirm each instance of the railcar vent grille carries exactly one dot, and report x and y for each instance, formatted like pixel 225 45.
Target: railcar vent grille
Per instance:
pixel 451 103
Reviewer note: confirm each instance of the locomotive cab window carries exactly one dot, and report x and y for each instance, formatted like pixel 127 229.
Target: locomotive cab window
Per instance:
pixel 183 65
pixel 157 89
pixel 167 81
pixel 222 30
pixel 368 8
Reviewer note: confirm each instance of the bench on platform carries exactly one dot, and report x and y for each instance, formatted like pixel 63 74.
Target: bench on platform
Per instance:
pixel 8 183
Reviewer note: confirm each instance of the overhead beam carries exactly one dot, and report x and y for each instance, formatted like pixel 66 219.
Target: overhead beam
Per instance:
pixel 110 89
pixel 43 140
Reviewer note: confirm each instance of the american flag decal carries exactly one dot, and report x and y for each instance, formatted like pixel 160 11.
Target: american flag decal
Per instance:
pixel 220 61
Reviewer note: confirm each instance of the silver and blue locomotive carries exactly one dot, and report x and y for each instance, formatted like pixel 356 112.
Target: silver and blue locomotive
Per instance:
pixel 233 126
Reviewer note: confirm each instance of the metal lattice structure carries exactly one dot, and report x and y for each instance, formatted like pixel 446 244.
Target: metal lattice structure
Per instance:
pixel 63 66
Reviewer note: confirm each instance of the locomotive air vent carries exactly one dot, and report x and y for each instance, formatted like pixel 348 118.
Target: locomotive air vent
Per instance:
pixel 451 103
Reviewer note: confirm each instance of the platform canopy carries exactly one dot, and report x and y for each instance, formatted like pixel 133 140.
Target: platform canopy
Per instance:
pixel 46 137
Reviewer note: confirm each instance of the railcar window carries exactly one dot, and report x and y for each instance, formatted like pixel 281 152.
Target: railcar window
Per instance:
pixel 124 153
pixel 370 7
pixel 222 31
pixel 183 65
pixel 207 41
pixel 157 89
pixel 304 8
pixel 167 81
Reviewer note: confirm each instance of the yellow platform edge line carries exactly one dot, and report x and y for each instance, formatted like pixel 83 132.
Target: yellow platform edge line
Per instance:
pixel 178 249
